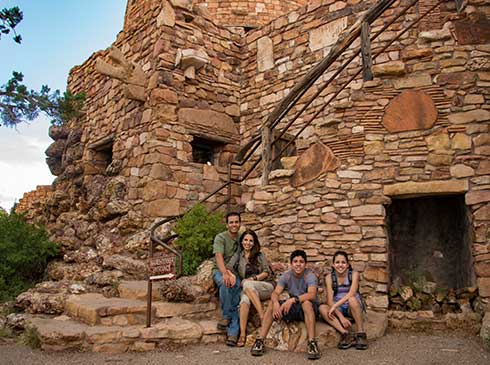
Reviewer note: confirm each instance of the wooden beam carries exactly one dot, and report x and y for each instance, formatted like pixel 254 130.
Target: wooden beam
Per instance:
pixel 266 154
pixel 459 5
pixel 367 60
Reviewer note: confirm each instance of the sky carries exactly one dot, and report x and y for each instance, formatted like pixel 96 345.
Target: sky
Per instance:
pixel 56 36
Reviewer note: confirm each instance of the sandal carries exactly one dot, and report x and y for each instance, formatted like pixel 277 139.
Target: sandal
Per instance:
pixel 241 341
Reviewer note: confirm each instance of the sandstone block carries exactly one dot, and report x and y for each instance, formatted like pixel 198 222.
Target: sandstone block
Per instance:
pixel 478 115
pixel 483 213
pixel 167 309
pixel 426 188
pixel 484 286
pixel 461 141
pixel 315 161
pixel 393 68
pixel 438 143
pixel 408 54
pixel 461 170
pixel 412 82
pixel 207 118
pixel 411 110
pixel 379 301
pixel 368 210
pixel 166 16
pixel 376 324
pixel 476 197
pixel 265 54
pixel 162 208
pixel 137 289
pixel 377 274
pixel 327 34
pixel 173 329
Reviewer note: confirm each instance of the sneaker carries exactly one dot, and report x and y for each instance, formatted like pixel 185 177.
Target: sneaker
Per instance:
pixel 345 341
pixel 361 341
pixel 223 324
pixel 258 347
pixel 231 341
pixel 313 352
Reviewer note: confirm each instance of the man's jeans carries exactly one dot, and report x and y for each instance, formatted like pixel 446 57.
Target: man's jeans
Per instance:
pixel 229 298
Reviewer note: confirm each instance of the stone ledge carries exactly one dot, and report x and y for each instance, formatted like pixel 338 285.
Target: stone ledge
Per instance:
pixel 414 189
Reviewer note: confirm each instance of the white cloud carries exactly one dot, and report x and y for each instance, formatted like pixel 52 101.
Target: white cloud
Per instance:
pixel 22 160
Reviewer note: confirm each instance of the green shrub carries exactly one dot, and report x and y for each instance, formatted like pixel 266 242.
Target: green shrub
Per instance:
pixel 30 337
pixel 196 230
pixel 24 251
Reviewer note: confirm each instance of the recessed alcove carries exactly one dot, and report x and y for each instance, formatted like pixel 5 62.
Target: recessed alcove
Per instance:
pixel 430 242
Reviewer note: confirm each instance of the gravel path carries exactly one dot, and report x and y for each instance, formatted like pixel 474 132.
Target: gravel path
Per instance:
pixel 394 348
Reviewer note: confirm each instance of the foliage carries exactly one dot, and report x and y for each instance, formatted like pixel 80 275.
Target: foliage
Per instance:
pixel 196 230
pixel 18 103
pixel 25 251
pixel 9 18
pixel 31 337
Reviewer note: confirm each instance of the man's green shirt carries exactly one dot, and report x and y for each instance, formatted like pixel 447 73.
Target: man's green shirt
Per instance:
pixel 224 244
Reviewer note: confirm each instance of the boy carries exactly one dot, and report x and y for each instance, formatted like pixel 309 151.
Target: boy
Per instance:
pixel 302 305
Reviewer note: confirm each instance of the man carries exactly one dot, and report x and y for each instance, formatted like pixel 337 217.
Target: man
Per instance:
pixel 302 305
pixel 225 245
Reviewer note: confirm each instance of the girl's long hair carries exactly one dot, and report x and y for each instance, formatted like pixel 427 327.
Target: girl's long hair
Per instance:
pixel 255 251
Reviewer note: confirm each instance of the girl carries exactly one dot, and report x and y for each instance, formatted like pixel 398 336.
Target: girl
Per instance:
pixel 344 300
pixel 256 277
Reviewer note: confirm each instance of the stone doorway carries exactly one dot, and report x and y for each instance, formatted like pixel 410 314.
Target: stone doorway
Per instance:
pixel 429 250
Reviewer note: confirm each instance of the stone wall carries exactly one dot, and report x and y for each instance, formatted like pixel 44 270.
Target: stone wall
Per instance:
pixel 171 76
pixel 249 13
pixel 32 201
pixel 420 127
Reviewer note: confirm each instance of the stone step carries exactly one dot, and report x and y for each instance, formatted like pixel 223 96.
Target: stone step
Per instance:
pixel 95 309
pixel 62 333
pixel 137 289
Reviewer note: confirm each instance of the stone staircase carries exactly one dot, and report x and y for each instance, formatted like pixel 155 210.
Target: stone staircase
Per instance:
pixel 93 322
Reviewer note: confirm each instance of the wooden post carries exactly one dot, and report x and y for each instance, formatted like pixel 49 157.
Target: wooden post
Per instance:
pixel 367 60
pixel 266 153
pixel 459 5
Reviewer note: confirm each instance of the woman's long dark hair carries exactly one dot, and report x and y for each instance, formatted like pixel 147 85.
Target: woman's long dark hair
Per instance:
pixel 255 251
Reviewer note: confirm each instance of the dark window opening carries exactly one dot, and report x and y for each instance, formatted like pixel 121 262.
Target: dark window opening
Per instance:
pixel 103 157
pixel 430 242
pixel 205 150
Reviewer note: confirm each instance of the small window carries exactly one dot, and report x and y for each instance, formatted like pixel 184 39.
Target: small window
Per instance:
pixel 101 153
pixel 103 157
pixel 205 150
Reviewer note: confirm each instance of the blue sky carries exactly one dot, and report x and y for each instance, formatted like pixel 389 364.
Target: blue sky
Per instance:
pixel 56 35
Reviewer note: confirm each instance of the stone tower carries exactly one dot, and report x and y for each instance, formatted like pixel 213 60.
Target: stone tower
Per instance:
pixel 230 13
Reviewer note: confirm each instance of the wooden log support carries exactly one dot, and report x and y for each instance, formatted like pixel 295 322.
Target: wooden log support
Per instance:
pixel 459 5
pixel 367 59
pixel 266 154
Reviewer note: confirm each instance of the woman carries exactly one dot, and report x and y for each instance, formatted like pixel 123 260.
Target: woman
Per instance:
pixel 256 279
pixel 344 300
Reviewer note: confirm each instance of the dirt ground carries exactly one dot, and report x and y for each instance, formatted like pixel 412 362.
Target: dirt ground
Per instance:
pixel 394 348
